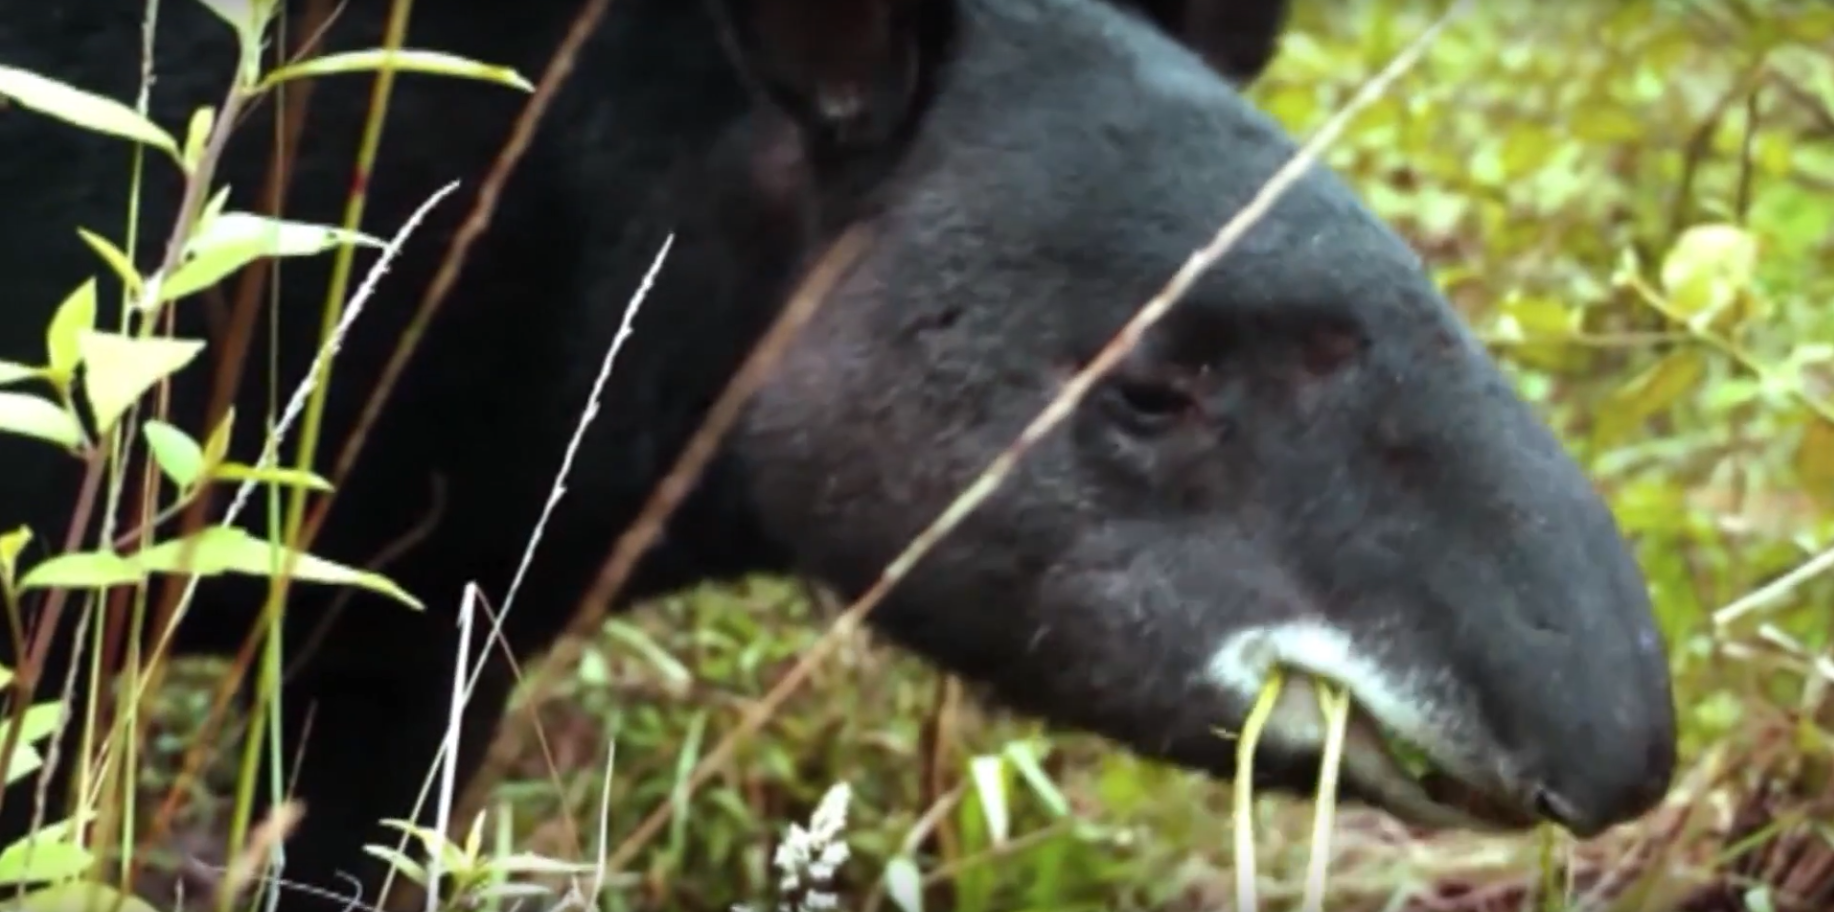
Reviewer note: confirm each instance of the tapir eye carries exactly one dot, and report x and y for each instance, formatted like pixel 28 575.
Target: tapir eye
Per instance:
pixel 1149 405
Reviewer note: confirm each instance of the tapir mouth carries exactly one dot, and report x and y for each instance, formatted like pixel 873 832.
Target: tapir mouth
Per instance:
pixel 1416 789
pixel 1393 772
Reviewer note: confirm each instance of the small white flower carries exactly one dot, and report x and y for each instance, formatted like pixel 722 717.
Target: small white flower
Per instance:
pixel 808 858
pixel 831 813
pixel 832 856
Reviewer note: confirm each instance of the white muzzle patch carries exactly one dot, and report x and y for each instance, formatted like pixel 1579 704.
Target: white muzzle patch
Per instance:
pixel 1400 703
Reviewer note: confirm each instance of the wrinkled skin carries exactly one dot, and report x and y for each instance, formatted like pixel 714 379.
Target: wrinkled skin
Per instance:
pixel 1309 462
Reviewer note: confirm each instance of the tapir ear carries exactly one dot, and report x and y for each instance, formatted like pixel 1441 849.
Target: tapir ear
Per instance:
pixel 849 72
pixel 1237 38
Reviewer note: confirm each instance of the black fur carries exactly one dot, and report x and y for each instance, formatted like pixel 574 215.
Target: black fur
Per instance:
pixel 1310 437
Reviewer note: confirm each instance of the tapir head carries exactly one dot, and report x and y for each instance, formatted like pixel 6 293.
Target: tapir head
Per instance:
pixel 1309 463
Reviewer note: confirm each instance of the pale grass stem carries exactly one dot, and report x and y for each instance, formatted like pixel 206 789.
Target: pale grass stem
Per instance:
pixel 602 840
pixel 461 696
pixel 1774 591
pixel 1244 804
pixel 1334 703
pixel 455 726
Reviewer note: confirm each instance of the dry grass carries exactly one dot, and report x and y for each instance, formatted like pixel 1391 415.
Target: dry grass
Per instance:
pixel 1745 830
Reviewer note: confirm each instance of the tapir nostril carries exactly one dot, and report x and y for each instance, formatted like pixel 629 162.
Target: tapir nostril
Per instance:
pixel 1549 805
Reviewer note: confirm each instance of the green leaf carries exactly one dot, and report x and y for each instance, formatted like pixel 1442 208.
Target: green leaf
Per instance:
pixel 1719 711
pixel 904 883
pixel 528 863
pixel 1534 317
pixel 39 722
pixel 1650 392
pixel 403 60
pixel 239 15
pixel 1759 898
pixel 451 857
pixel 474 837
pixel 279 237
pixel 1527 147
pixel 83 570
pixel 79 896
pixel 177 455
pixel 119 369
pixel 277 475
pixel 197 135
pixel 988 774
pixel 231 240
pixel 13 372
pixel 82 108
pixel 593 671
pixel 399 862
pixel 637 639
pixel 1814 460
pixel 118 261
pixel 33 416
pixel 1812 25
pixel 212 208
pixel 228 549
pixel 510 895
pixel 1774 155
pixel 1603 122
pixel 216 446
pixel 248 19
pixel 1707 268
pixel 51 854
pixel 74 316
pixel 12 544
pixel 26 760
pixel 1025 759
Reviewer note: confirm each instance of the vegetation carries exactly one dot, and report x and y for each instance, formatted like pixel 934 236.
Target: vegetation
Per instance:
pixel 1634 205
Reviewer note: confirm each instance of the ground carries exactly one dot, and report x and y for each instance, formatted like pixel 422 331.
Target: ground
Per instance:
pixel 1554 163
